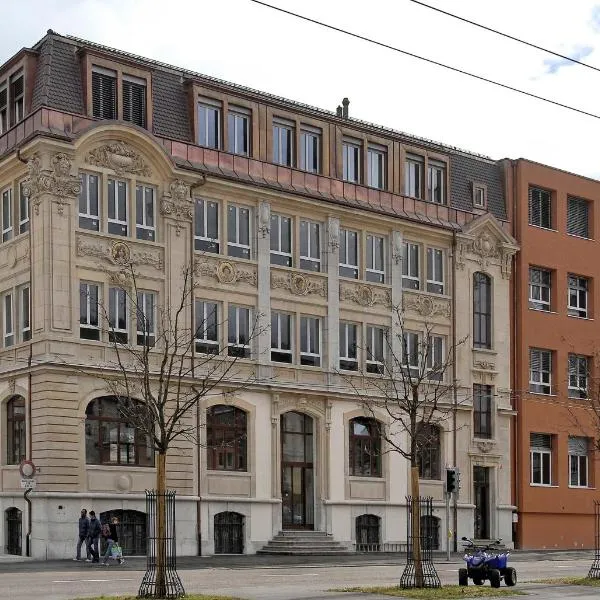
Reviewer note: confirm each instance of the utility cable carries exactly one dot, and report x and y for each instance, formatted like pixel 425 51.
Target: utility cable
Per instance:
pixel 428 60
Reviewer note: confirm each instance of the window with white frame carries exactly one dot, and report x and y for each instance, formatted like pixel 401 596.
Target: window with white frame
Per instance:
pixel 238 130
pixel 375 258
pixel 146 319
pixel 89 203
pixel 578 461
pixel 540 288
pixel 23 209
pixel 348 253
pixel 413 176
pixel 7 215
pixel 310 245
pixel 436 359
pixel 310 341
pixel 144 213
pixel 206 225
pixel 479 195
pixel 348 346
pixel 540 371
pixel 281 240
pixel 540 449
pixel 281 337
pixel 351 161
pixel 375 346
pixel 283 143
pixel 436 182
pixel 117 207
pixel 25 310
pixel 118 318
pixel 209 123
pixel 435 270
pixel 578 376
pixel 578 296
pixel 310 149
pixel 238 331
pixel 8 319
pixel 411 359
pixel 238 231
pixel 411 278
pixel 207 327
pixel 376 159
pixel 89 325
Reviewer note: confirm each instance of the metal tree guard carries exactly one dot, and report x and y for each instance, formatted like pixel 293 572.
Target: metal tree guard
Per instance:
pixel 423 511
pixel 172 584
pixel 594 572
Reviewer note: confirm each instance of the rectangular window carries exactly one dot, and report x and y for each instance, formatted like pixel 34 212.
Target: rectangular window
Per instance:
pixel 349 346
pixel 310 246
pixel 578 296
pixel 3 108
pixel 134 100
pixel 7 215
pixel 479 196
pixel 281 337
pixel 238 328
pixel 281 240
pixel 146 319
pixel 118 316
pixel 117 207
pixel 25 308
pixel 578 461
pixel 540 445
pixel 310 149
pixel 435 270
pixel 209 125
pixel 104 93
pixel 351 161
pixel 482 411
pixel 283 144
pixel 9 323
pixel 144 213
pixel 238 131
pixel 540 208
pixel 540 290
pixel 578 217
pixel 310 341
pixel 436 182
pixel 89 205
pixel 375 258
pixel 89 326
pixel 410 354
pixel 376 159
pixel 348 253
pixel 540 371
pixel 436 359
pixel 413 176
pixel 411 278
pixel 206 226
pixel 238 231
pixel 17 98
pixel 376 346
pixel 578 376
pixel 23 210
pixel 207 327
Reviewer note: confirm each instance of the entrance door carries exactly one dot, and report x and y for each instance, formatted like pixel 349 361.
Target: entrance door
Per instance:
pixel 481 489
pixel 297 481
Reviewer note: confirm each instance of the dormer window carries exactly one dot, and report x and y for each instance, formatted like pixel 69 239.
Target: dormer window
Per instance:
pixel 104 93
pixel 134 100
pixel 17 97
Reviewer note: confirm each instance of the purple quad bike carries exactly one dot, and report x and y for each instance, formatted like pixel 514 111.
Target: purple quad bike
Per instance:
pixel 486 563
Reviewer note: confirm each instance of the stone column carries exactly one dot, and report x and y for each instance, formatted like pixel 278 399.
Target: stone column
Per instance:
pixel 333 294
pixel 263 257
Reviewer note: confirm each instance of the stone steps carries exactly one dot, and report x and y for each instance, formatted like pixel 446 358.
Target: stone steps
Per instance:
pixel 304 543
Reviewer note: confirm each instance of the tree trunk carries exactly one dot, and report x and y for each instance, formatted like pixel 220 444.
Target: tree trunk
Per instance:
pixel 416 527
pixel 161 526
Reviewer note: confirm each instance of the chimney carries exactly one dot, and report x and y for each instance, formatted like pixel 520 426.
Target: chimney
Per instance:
pixel 345 103
pixel 338 111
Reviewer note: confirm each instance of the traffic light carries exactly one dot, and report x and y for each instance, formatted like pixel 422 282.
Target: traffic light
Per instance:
pixel 452 480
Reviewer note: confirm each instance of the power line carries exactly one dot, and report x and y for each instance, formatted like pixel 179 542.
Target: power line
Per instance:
pixel 428 60
pixel 506 35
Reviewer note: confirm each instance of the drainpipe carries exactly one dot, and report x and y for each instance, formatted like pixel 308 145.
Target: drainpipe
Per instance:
pixel 454 390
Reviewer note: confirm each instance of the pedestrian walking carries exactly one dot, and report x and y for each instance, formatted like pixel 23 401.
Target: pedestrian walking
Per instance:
pixel 84 527
pixel 94 536
pixel 109 533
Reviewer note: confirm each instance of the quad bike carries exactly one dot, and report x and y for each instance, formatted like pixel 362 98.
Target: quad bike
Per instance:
pixel 486 562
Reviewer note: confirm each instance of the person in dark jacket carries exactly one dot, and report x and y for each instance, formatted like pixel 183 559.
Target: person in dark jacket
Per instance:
pixel 84 527
pixel 110 534
pixel 94 537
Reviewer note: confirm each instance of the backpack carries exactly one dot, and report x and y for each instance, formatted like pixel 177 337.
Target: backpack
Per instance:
pixel 106 530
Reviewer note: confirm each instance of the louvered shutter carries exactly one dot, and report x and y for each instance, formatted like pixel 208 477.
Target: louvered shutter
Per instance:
pixel 134 103
pixel 104 95
pixel 535 361
pixel 540 441
pixel 577 217
pixel 546 361
pixel 540 208
pixel 578 446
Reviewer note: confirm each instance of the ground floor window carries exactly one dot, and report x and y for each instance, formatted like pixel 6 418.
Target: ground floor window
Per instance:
pixel 229 533
pixel 368 533
pixel 13 528
pixel 131 531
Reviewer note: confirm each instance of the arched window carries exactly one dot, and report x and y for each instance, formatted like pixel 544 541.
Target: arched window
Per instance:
pixel 110 439
pixel 229 533
pixel 226 437
pixel 15 430
pixel 368 531
pixel 482 311
pixel 428 451
pixel 430 532
pixel 365 447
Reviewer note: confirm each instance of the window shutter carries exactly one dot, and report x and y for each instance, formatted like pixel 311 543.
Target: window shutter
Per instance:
pixel 134 103
pixel 578 446
pixel 534 207
pixel 540 441
pixel 16 88
pixel 3 98
pixel 104 96
pixel 577 217
pixel 535 361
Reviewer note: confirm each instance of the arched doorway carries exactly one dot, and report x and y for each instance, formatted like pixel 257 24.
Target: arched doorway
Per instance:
pixel 229 533
pixel 297 471
pixel 13 528
pixel 131 530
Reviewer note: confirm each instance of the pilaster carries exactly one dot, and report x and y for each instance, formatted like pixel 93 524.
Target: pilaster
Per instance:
pixel 333 293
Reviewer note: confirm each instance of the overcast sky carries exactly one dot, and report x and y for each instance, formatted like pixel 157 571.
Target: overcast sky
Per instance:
pixel 245 43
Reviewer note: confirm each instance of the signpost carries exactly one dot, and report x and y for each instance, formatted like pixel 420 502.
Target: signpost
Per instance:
pixel 28 484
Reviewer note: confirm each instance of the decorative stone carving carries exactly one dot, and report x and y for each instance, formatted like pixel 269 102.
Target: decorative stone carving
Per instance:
pixel 57 182
pixel 299 284
pixel 461 248
pixel 120 157
pixel 226 272
pixel 485 446
pixel 120 279
pixel 333 231
pixel 484 365
pixel 506 264
pixel 12 386
pixel 365 295
pixel 178 204
pixel 427 306
pixel 397 248
pixel 119 253
pixel 264 219
pixel 306 405
pixel 486 248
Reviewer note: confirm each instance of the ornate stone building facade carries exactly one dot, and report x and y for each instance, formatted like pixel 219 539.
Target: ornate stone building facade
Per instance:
pixel 316 224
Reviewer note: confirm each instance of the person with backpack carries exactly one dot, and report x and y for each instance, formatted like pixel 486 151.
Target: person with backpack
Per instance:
pixel 109 533
pixel 94 536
